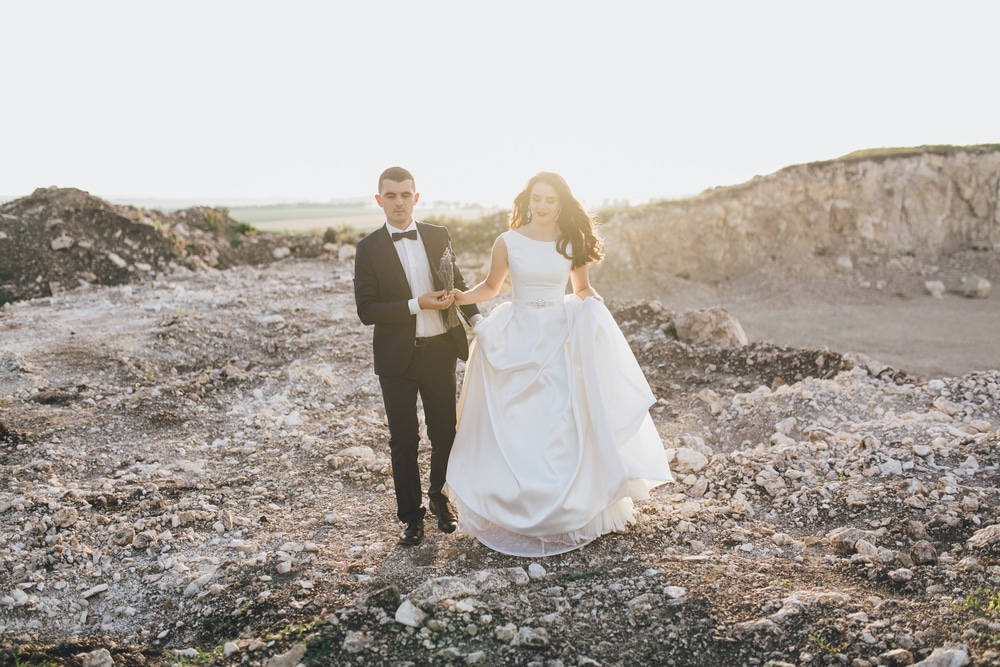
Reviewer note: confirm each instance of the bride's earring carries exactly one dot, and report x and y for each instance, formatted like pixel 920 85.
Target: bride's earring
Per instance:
pixel 556 219
pixel 529 215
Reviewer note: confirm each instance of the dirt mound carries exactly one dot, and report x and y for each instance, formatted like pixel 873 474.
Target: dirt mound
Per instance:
pixel 60 238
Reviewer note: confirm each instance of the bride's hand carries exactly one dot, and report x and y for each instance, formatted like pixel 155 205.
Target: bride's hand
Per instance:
pixel 460 298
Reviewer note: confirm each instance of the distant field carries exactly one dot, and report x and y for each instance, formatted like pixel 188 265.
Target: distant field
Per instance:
pixel 306 218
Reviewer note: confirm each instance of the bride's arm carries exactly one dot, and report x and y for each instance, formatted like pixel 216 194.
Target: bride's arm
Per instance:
pixel 580 278
pixel 490 287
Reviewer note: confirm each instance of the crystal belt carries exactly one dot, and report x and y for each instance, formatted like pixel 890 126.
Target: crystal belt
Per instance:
pixel 535 303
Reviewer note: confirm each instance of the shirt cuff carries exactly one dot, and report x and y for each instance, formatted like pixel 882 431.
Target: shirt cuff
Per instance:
pixel 414 305
pixel 475 319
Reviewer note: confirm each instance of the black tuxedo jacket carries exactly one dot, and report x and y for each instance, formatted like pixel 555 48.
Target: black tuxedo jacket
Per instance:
pixel 381 293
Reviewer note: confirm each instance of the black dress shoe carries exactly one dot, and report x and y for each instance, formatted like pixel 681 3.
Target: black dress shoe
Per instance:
pixel 447 518
pixel 412 535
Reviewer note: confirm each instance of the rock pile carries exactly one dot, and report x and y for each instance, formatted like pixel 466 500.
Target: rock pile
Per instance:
pixel 57 239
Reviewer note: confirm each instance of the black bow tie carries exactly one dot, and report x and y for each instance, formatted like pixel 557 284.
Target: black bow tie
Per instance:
pixel 412 235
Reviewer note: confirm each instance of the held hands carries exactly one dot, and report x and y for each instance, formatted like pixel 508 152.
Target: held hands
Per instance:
pixel 439 300
pixel 460 298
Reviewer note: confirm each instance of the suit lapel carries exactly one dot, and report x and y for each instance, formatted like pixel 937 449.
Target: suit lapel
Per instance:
pixel 391 258
pixel 434 252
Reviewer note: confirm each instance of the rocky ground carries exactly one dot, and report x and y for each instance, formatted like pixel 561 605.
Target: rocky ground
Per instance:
pixel 193 470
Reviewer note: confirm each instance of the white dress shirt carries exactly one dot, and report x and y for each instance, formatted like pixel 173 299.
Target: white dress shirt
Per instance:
pixel 417 268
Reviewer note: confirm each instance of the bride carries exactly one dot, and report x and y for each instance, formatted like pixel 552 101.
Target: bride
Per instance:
pixel 554 435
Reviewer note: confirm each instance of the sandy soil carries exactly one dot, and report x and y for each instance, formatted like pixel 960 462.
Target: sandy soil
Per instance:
pixel 926 336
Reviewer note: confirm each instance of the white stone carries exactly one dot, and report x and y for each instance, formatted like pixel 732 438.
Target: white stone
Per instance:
pixel 981 425
pixel 985 537
pixel 531 637
pixel 99 658
pixel 975 287
pixel 62 242
pixel 66 517
pixel 948 656
pixel 935 288
pixel 901 575
pixel 410 614
pixel 891 467
pixel 99 588
pixel 359 452
pixel 866 548
pixel 290 658
pixel 685 460
pixel 713 327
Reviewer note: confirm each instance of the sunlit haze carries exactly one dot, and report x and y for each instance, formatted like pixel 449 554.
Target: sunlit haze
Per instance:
pixel 221 101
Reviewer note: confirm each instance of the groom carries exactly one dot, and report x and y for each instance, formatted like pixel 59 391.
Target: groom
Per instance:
pixel 397 288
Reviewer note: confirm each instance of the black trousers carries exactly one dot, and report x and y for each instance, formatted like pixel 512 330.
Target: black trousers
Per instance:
pixel 431 373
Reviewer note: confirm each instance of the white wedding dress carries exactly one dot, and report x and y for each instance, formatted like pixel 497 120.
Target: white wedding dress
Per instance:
pixel 554 434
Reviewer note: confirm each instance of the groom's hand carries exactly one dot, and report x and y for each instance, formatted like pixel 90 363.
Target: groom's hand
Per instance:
pixel 435 300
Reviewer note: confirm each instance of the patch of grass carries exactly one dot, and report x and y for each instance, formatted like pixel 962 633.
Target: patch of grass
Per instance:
pixel 214 220
pixel 216 626
pixel 780 583
pixel 262 215
pixel 25 657
pixel 982 602
pixel 827 645
pixel 296 629
pixel 322 647
pixel 200 657
pixel 342 234
pixel 937 149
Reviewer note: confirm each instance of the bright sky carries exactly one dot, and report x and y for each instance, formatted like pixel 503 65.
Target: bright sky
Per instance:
pixel 638 100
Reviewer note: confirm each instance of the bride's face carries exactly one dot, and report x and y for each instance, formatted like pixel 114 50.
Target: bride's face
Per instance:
pixel 544 203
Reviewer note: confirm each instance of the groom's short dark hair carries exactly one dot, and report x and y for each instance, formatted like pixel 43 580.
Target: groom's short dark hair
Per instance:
pixel 397 174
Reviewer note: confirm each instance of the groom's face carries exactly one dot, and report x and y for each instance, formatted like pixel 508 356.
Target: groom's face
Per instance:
pixel 397 199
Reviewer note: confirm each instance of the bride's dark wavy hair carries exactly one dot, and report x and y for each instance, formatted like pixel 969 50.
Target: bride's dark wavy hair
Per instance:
pixel 576 226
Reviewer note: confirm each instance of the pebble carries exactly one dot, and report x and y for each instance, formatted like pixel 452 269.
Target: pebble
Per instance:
pixel 99 588
pixel 98 658
pixel 411 615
